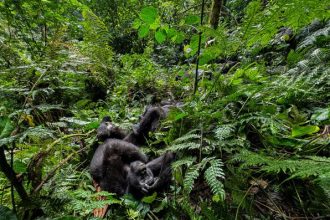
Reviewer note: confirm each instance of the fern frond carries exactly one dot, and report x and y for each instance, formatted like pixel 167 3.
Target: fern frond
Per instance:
pixel 190 177
pixel 186 138
pixel 37 133
pixel 188 161
pixel 184 146
pixel 298 167
pixel 311 38
pixel 224 131
pixel 324 182
pixel 212 176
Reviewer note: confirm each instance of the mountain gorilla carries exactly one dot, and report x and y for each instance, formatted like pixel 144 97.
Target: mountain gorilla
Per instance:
pixel 155 176
pixel 110 163
pixel 119 167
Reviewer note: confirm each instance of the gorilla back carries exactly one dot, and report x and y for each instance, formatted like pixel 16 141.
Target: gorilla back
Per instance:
pixel 110 165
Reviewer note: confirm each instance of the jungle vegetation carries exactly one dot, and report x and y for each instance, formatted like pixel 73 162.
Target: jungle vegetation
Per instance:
pixel 251 137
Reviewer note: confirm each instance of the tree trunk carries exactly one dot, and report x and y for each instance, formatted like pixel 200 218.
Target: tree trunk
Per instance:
pixel 215 13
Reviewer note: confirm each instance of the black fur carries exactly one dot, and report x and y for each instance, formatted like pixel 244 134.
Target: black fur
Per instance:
pixel 149 122
pixel 108 130
pixel 110 163
pixel 155 176
pixel 118 166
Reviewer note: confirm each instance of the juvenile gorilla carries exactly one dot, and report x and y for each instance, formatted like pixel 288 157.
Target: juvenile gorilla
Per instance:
pixel 119 167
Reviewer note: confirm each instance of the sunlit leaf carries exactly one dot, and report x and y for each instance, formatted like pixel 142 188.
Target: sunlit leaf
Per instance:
pixel 299 131
pixel 148 14
pixel 143 31
pixel 150 199
pixel 160 36
pixel 136 24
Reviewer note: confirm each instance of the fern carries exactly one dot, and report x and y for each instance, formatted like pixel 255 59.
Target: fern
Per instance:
pixel 324 182
pixel 302 168
pixel 261 25
pixel 184 146
pixel 190 177
pixel 212 176
pixel 37 134
pixel 186 137
pixel 182 143
pixel 224 131
pixel 188 161
pixel 311 39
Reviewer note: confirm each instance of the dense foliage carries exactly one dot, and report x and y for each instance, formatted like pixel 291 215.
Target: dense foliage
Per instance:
pixel 253 141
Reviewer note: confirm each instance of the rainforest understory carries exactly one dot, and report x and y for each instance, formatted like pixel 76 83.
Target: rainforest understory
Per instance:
pixel 247 82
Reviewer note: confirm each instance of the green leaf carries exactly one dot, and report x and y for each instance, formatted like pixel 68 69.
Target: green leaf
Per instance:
pixel 136 24
pixel 19 166
pixel 5 127
pixel 178 38
pixel 205 58
pixel 216 198
pixel 160 36
pixel 148 14
pixel 155 25
pixel 92 125
pixel 298 131
pixel 180 116
pixel 171 32
pixel 321 115
pixel 192 19
pixel 143 31
pixel 149 199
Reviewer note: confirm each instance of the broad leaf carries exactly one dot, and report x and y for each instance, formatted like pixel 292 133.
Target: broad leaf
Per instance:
pixel 192 19
pixel 321 115
pixel 298 131
pixel 148 15
pixel 178 38
pixel 136 24
pixel 143 31
pixel 150 199
pixel 160 36
pixel 171 32
pixel 5 127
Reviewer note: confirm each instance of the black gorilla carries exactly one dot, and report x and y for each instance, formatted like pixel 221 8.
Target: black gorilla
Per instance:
pixel 108 130
pixel 155 176
pixel 118 165
pixel 110 165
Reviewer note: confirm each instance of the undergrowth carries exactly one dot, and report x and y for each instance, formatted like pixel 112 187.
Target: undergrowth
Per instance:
pixel 253 142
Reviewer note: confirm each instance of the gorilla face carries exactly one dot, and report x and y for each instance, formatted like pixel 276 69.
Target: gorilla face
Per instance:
pixel 140 178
